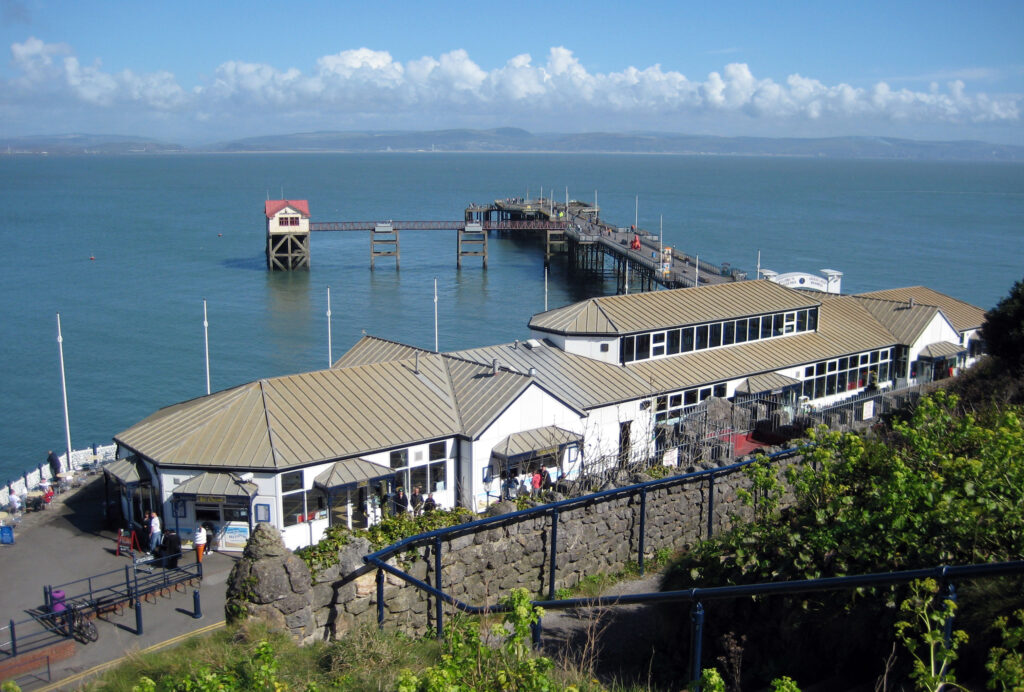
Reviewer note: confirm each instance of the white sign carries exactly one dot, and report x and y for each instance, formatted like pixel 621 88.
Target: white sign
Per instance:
pixel 802 280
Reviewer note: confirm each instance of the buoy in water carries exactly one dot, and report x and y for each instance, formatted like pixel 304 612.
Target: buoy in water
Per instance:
pixel 220 235
pixel 92 257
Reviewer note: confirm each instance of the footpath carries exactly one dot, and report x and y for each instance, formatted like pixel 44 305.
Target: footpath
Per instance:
pixel 69 540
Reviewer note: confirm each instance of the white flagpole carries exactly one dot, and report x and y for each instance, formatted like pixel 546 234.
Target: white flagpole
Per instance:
pixel 330 351
pixel 436 344
pixel 626 282
pixel 545 289
pixel 661 245
pixel 696 270
pixel 758 275
pixel 64 390
pixel 206 345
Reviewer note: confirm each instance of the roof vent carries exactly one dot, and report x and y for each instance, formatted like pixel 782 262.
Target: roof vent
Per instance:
pixel 532 344
pixel 911 302
pixel 416 367
pixel 494 367
pixel 515 345
pixel 532 372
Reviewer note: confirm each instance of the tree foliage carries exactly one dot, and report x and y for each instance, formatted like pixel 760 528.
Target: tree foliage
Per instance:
pixel 938 488
pixel 1003 330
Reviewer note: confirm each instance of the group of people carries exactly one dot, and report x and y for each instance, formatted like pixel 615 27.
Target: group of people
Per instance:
pixel 402 502
pixel 168 544
pixel 539 480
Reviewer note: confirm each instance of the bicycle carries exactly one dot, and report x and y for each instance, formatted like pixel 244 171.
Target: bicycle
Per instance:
pixel 82 628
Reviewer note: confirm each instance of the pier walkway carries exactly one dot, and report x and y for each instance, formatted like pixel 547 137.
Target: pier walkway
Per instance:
pixel 635 257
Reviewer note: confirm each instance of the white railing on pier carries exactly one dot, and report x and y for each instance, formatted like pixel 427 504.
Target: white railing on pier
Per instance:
pixel 81 460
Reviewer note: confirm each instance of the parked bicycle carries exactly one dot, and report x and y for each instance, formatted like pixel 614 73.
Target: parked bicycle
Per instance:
pixel 82 627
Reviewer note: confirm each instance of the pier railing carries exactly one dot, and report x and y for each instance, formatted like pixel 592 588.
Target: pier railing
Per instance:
pixel 81 460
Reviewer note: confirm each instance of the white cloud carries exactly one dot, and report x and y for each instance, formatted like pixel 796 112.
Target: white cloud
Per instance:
pixel 368 87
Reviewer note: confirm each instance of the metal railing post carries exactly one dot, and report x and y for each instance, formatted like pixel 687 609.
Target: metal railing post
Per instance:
pixel 439 584
pixel 380 598
pixel 138 616
pixel 947 630
pixel 711 506
pixel 14 641
pixel 643 526
pixel 554 552
pixel 696 637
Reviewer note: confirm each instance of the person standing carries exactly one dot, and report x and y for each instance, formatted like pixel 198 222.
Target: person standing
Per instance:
pixel 54 461
pixel 535 481
pixel 199 542
pixel 417 500
pixel 155 532
pixel 401 501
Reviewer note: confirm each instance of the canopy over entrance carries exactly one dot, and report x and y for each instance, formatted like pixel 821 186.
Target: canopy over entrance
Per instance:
pixel 127 472
pixel 535 443
pixel 217 484
pixel 941 350
pixel 766 382
pixel 351 472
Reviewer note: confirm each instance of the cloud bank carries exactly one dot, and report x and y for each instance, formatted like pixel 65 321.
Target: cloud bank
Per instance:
pixel 368 88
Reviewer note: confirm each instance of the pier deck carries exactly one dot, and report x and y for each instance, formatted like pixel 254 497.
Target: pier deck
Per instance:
pixel 574 229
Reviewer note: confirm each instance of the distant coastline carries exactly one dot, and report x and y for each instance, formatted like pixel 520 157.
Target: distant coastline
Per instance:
pixel 516 141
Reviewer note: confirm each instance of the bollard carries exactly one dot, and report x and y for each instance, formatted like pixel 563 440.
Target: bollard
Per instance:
pixel 138 617
pixel 197 610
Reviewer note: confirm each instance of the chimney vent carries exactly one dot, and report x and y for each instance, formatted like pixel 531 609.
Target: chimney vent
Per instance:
pixel 533 372
pixel 494 367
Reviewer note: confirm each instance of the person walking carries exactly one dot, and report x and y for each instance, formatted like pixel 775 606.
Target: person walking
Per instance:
pixel 155 532
pixel 54 461
pixel 199 542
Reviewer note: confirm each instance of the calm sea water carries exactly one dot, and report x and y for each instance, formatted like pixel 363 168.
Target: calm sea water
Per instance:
pixel 167 232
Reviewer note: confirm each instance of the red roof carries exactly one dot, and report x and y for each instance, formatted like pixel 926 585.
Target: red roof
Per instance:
pixel 275 205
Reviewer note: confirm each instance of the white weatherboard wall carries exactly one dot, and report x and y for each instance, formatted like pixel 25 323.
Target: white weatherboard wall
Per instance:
pixel 939 329
pixel 534 408
pixel 601 433
pixel 591 348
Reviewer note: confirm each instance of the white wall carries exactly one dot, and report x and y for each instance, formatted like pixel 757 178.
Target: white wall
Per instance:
pixel 590 347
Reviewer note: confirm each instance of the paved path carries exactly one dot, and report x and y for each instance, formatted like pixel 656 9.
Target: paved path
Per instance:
pixel 68 541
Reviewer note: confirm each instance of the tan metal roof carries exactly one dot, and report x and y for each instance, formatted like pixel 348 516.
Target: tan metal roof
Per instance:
pixel 124 470
pixel 766 382
pixel 905 321
pixel 963 316
pixel 942 349
pixel 481 394
pixel 301 419
pixel 536 440
pixel 351 472
pixel 216 483
pixel 584 383
pixel 844 327
pixel 372 349
pixel 662 309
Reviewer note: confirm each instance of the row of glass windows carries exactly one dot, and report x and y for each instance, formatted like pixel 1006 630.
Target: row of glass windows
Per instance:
pixel 675 405
pixel 847 374
pixel 714 334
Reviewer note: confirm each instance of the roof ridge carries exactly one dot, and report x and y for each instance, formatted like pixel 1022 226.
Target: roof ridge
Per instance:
pixel 266 417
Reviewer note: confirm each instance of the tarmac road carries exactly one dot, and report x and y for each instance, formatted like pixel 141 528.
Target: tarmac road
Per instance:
pixel 69 541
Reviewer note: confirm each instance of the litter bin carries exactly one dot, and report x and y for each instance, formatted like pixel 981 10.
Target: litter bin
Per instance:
pixel 57 601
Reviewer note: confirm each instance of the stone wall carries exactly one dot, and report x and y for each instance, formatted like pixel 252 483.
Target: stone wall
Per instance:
pixel 601 535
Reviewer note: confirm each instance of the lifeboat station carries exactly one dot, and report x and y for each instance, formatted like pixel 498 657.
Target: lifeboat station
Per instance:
pixel 605 383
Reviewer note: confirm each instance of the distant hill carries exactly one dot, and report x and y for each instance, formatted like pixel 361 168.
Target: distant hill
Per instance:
pixel 84 144
pixel 509 139
pixel 512 139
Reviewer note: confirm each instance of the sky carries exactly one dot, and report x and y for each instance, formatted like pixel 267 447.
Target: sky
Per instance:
pixel 201 72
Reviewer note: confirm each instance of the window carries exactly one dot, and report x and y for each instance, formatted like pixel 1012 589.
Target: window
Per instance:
pixel 702 337
pixel 604 348
pixel 438 478
pixel 643 346
pixel 812 319
pixel 293 499
pixel 673 342
pixel 778 320
pixel 719 391
pixel 687 339
pixel 291 481
pixel 400 459
pixel 728 333
pixel 658 344
pixel 438 450
pixel 766 327
pixel 801 321
pixel 628 352
pixel 715 336
pixel 741 331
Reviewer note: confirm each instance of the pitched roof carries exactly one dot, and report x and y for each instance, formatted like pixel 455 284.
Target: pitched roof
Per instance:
pixel 766 382
pixel 216 483
pixel 373 349
pixel 942 349
pixel 273 206
pixel 905 321
pixel 639 312
pixel 536 440
pixel 963 316
pixel 351 472
pixel 584 383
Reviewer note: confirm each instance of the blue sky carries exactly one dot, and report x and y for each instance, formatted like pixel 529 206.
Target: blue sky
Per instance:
pixel 205 71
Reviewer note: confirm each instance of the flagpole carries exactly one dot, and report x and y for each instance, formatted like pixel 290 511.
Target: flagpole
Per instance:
pixel 330 351
pixel 545 289
pixel 436 345
pixel 206 345
pixel 64 390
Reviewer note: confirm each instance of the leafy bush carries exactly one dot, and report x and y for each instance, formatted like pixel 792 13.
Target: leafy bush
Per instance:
pixel 937 488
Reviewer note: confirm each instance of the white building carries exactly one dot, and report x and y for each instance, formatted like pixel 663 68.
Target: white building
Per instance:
pixel 588 390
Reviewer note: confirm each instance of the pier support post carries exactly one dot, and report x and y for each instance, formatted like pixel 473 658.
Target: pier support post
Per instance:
pixel 385 236
pixel 473 236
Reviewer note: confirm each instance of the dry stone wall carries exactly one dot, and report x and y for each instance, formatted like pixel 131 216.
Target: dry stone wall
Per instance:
pixel 477 568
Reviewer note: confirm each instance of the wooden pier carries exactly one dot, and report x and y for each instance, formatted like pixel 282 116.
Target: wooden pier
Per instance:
pixel 634 257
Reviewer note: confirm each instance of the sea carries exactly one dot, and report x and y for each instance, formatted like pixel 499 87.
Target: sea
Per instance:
pixel 126 250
